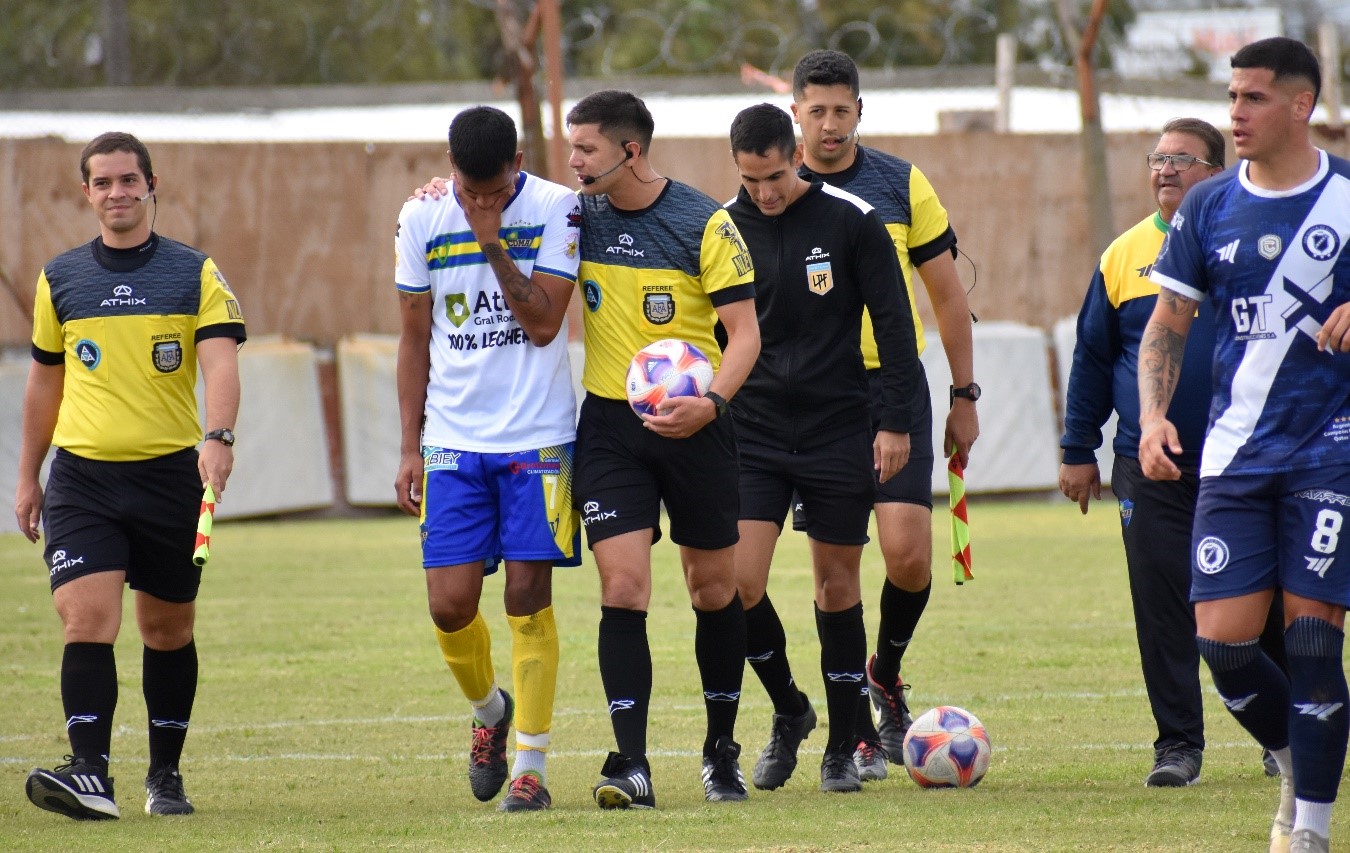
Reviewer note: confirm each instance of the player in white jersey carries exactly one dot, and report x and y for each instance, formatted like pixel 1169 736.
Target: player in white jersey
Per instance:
pixel 488 424
pixel 1266 242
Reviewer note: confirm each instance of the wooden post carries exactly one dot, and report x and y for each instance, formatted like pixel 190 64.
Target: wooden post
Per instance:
pixel 1005 65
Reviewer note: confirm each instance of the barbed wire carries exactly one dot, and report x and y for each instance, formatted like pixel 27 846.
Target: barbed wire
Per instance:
pixel 257 42
pixel 388 40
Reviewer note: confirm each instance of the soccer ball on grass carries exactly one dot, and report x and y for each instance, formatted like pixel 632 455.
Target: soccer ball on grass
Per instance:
pixel 947 747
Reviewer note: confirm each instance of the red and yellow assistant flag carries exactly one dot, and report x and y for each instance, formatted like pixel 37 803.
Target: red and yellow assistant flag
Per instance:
pixel 956 496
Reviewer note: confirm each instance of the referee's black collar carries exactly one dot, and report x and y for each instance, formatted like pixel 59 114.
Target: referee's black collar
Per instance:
pixel 124 260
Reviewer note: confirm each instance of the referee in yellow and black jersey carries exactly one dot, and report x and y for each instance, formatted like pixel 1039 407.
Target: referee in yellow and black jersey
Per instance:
pixel 120 325
pixel 658 260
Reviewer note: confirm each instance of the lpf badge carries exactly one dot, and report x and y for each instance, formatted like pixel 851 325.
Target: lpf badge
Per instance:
pixel 658 308
pixel 167 356
pixel 819 278
pixel 1269 246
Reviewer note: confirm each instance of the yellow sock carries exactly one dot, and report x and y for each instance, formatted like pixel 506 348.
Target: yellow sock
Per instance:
pixel 468 653
pixel 534 676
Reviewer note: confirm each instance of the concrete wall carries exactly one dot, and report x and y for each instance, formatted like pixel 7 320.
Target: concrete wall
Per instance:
pixel 304 231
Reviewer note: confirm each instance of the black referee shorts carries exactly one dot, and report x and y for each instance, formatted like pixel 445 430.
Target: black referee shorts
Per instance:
pixel 912 484
pixel 835 483
pixel 138 516
pixel 624 472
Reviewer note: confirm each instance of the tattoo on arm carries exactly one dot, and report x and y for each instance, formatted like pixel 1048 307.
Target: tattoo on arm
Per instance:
pixel 1159 365
pixel 525 296
pixel 1176 304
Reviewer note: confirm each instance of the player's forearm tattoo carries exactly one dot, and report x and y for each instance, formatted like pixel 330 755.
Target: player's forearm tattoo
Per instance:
pixel 1176 304
pixel 1159 365
pixel 525 296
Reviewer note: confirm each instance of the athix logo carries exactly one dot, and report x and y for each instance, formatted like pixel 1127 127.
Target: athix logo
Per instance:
pixel 1228 253
pixel 61 562
pixel 1319 565
pixel 170 724
pixel 1240 703
pixel 625 247
pixel 766 656
pixel 81 718
pixel 122 297
pixel 617 705
pixel 714 696
pixel 591 513
pixel 817 254
pixel 1321 710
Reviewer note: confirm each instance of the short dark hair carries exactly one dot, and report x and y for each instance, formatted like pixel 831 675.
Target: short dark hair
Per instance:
pixel 621 116
pixel 1286 57
pixel 108 143
pixel 761 129
pixel 482 142
pixel 824 68
pixel 1203 131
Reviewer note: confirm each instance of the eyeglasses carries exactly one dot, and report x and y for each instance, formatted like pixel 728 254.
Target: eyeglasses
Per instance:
pixel 1180 162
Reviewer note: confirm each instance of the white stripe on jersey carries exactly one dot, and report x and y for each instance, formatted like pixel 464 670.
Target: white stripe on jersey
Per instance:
pixel 1262 359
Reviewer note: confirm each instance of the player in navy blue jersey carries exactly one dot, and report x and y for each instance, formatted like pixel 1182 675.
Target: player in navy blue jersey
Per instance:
pixel 1265 241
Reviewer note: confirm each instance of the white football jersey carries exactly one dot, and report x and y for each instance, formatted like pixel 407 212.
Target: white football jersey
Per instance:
pixel 491 390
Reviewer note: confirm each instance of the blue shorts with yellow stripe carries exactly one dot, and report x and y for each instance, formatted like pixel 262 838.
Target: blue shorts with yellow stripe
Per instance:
pixel 498 506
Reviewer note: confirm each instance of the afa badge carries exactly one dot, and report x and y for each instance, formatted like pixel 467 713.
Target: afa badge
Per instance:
pixel 658 308
pixel 819 278
pixel 167 356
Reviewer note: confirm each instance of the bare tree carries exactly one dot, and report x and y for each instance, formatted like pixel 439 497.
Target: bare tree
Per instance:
pixel 1093 140
pixel 519 41
pixel 116 44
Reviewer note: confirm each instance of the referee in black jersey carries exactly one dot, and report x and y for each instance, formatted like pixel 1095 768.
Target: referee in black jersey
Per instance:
pixel 802 416
pixel 120 326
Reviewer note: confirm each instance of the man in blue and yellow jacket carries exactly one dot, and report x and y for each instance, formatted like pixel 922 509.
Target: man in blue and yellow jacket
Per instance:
pixel 1155 516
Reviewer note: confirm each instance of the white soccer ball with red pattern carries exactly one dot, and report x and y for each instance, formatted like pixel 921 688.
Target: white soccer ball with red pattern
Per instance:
pixel 947 747
pixel 666 368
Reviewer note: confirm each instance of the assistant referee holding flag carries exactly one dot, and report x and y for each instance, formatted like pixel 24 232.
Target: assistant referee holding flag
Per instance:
pixel 120 325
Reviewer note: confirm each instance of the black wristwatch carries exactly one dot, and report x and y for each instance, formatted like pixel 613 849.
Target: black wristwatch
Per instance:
pixel 719 403
pixel 969 392
pixel 224 435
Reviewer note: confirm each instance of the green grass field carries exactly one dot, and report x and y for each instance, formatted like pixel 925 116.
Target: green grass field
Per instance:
pixel 325 719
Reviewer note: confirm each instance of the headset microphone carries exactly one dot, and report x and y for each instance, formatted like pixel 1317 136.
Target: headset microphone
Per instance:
pixel 143 198
pixel 627 155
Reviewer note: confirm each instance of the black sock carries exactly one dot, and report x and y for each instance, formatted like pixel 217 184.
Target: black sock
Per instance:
pixel 766 650
pixel 843 649
pixel 170 685
pixel 900 613
pixel 719 649
pixel 89 697
pixel 1318 729
pixel 626 672
pixel 1252 687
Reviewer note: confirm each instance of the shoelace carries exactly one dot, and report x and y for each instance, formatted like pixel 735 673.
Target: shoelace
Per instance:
pixel 868 751
pixel 167 783
pixel 482 750
pixel 526 787
pixel 895 701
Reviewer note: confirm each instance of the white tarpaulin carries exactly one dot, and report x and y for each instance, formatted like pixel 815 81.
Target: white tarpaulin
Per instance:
pixel 281 458
pixel 1019 436
pixel 1065 334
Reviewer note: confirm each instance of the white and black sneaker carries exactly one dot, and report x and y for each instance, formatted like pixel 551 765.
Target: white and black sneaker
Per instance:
pixel 164 793
pixel 722 779
pixel 76 789
pixel 627 785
